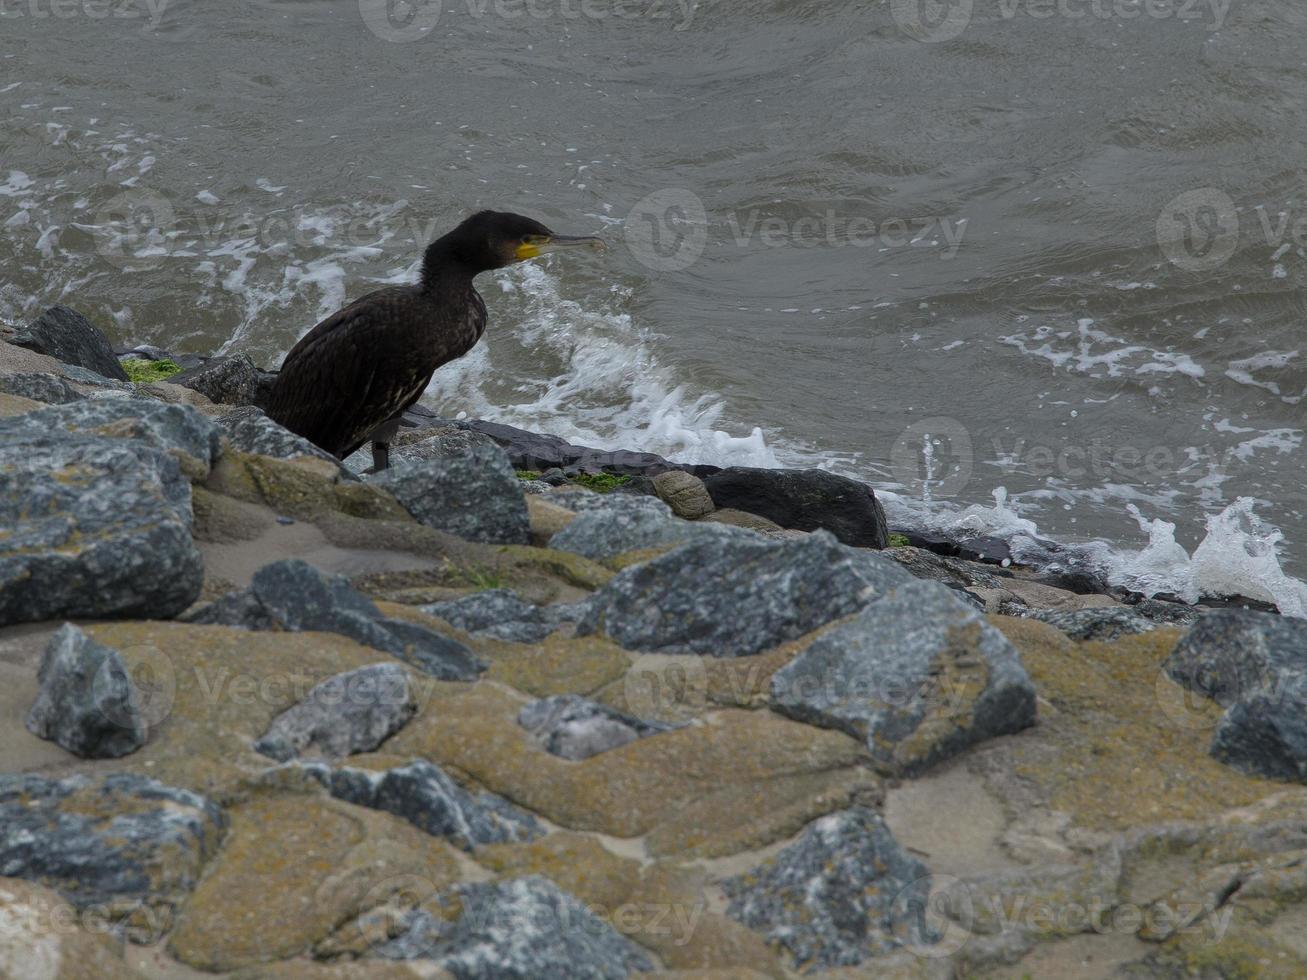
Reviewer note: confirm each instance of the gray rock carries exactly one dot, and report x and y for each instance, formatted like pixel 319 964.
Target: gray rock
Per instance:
pixel 120 842
pixel 1099 623
pixel 737 597
pixel 352 712
pixel 1232 653
pixel 251 431
pixel 426 797
pixel 804 500
pixel 292 595
pixel 1255 665
pixel 105 387
pixel 67 335
pixel 521 929
pixel 951 571
pixel 581 501
pixel 100 528
pixel 535 487
pixel 575 728
pixel 917 675
pixel 1163 613
pixel 611 529
pixel 504 615
pixel 844 892
pixel 473 494
pixel 48 388
pixel 87 703
pixel 178 429
pixel 228 380
pixel 446 443
pixel 684 493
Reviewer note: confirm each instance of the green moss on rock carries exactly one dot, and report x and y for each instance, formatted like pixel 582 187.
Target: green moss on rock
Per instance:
pixel 144 372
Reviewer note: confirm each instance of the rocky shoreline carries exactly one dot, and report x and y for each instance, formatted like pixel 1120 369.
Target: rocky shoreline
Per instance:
pixel 268 716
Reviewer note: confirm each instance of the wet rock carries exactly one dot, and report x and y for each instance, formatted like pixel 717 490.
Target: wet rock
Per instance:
pixel 228 380
pixel 739 596
pixel 100 527
pixel 843 893
pixel 684 493
pixel 503 614
pixel 1162 613
pixel 48 388
pixel 292 595
pixel 917 675
pixel 572 727
pixel 351 712
pixel 1264 733
pixel 251 431
pixel 126 845
pixel 636 523
pixel 87 702
pixel 1101 623
pixel 993 551
pixel 951 571
pixel 474 494
pixel 426 797
pixel 804 500
pixel 67 335
pixel 542 453
pixel 522 929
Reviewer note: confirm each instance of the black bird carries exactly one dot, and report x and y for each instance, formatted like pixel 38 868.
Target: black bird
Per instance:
pixel 351 377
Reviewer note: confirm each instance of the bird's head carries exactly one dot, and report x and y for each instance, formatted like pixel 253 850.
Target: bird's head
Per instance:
pixel 493 239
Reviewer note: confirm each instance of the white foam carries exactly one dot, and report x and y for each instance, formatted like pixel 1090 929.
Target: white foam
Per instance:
pixel 595 380
pixel 1093 352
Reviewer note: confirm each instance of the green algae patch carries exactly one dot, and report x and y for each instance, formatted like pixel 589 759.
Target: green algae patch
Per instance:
pixel 144 372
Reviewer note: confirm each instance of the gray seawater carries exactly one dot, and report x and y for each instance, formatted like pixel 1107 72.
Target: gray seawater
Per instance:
pixel 1053 246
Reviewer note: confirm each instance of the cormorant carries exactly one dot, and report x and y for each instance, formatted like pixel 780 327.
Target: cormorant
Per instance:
pixel 351 377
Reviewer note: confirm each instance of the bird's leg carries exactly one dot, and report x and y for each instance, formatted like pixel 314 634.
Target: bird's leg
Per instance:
pixel 380 437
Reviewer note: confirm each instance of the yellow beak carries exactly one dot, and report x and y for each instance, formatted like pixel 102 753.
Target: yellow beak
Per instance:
pixel 529 250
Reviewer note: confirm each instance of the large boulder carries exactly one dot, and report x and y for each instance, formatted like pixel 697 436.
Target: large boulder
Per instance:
pixel 87 702
pixel 737 596
pixel 1254 664
pixel 843 893
pixel 100 528
pixel 293 595
pixel 804 500
pixel 474 494
pixel 917 675
pixel 67 335
pixel 123 844
pixel 351 712
pixel 231 380
pixel 521 929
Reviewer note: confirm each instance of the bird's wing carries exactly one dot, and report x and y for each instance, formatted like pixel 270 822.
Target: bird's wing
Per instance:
pixel 330 373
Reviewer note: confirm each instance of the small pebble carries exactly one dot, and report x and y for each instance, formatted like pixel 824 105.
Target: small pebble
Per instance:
pixel 285 520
